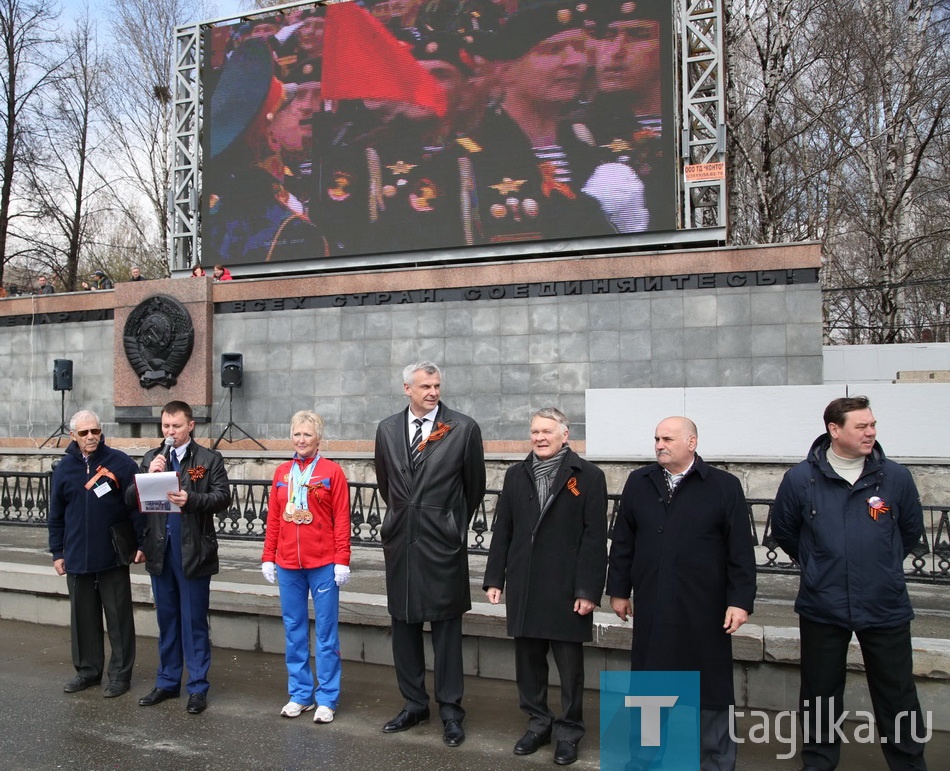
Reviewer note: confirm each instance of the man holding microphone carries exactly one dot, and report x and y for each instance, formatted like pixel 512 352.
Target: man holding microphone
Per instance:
pixel 181 554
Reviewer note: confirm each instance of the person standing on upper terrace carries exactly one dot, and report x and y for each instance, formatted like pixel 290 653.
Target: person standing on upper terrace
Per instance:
pixel 849 517
pixel 100 281
pixel 430 468
pixel 683 544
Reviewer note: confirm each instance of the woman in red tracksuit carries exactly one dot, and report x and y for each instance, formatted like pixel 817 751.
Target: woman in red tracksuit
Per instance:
pixel 308 537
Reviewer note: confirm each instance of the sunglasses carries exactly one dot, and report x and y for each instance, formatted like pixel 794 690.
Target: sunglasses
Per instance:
pixel 93 431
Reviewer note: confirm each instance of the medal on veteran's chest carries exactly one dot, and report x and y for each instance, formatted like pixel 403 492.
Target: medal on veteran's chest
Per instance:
pixel 297 515
pixel 296 510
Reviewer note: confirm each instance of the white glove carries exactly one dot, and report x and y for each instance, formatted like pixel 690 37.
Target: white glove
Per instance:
pixel 341 574
pixel 269 569
pixel 619 191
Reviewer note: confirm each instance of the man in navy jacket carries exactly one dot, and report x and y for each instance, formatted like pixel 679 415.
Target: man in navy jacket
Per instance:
pixel 849 517
pixel 86 500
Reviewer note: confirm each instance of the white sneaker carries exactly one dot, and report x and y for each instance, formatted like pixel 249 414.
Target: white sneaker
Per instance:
pixel 323 715
pixel 293 709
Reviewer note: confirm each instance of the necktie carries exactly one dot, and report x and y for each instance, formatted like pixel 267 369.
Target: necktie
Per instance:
pixel 176 464
pixel 416 441
pixel 672 482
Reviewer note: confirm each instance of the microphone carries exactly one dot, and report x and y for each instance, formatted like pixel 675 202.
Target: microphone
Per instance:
pixel 167 449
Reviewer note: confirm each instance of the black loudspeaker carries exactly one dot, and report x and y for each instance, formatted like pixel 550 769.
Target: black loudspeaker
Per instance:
pixel 232 370
pixel 62 374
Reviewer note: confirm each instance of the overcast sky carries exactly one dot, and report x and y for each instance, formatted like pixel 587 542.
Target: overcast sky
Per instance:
pixel 99 8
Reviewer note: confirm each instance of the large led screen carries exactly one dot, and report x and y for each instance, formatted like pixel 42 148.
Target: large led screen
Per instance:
pixel 380 127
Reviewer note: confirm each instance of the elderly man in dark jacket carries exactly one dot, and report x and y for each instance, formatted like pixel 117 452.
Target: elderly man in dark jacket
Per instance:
pixel 549 551
pixel 430 467
pixel 683 544
pixel 849 517
pixel 86 501
pixel 181 551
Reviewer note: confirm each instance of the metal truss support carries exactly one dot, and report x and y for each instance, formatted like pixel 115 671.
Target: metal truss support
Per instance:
pixel 185 242
pixel 703 141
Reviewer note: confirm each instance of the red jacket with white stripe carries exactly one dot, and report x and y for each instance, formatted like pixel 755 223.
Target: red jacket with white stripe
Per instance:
pixel 325 540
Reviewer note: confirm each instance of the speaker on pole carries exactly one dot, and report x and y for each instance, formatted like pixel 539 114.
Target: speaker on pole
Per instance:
pixel 232 373
pixel 62 374
pixel 62 382
pixel 232 370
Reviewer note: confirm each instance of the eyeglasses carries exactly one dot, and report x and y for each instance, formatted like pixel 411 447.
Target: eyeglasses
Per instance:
pixel 94 431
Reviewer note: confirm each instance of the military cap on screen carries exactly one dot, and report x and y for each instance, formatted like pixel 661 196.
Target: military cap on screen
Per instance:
pixel 534 22
pixel 439 46
pixel 605 11
pixel 241 93
pixel 305 71
pixel 478 16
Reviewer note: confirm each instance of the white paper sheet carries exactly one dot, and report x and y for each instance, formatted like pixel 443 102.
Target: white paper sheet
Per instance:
pixel 153 491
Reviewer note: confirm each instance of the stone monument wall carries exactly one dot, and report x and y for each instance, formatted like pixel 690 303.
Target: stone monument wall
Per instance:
pixel 510 337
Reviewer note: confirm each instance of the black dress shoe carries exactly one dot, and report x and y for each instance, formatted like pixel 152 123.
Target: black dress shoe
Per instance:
pixel 157 696
pixel 453 734
pixel 79 683
pixel 115 689
pixel 405 720
pixel 530 742
pixel 565 753
pixel 197 703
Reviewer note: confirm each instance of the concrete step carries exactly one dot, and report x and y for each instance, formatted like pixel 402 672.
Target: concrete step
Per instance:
pixel 245 614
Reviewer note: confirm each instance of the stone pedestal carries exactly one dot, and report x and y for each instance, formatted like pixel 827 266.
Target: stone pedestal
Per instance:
pixel 139 406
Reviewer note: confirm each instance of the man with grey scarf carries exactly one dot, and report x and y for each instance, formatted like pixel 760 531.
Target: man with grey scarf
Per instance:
pixel 549 552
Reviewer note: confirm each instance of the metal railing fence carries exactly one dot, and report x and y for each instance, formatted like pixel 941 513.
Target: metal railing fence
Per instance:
pixel 24 500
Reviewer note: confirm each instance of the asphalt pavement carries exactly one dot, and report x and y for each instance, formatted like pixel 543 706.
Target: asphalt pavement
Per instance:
pixel 44 728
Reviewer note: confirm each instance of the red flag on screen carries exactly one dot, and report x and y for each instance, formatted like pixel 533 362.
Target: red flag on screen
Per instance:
pixel 362 60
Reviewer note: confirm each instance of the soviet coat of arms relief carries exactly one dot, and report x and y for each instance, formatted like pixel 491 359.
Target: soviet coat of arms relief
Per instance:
pixel 159 337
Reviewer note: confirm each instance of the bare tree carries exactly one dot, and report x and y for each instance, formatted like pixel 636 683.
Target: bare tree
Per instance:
pixel 65 182
pixel 140 111
pixel 836 111
pixel 31 62
pixel 780 159
pixel 888 108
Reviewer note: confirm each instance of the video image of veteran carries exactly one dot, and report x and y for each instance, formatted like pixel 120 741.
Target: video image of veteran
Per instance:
pixel 256 179
pixel 375 127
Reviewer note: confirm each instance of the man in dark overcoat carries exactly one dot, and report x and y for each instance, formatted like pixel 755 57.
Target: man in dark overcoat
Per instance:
pixel 683 544
pixel 430 468
pixel 549 551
